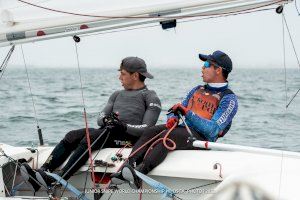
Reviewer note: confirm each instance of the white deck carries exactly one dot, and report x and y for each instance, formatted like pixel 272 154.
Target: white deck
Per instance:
pixel 262 170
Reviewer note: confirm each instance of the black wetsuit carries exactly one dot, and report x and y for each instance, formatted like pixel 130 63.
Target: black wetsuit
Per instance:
pixel 139 109
pixel 156 155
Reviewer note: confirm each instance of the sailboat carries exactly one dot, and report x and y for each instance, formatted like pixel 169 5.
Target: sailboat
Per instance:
pixel 223 172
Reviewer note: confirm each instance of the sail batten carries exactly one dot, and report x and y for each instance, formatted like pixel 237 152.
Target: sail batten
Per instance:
pixel 17 27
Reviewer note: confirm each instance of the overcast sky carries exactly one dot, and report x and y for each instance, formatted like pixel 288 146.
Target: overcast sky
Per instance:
pixel 252 40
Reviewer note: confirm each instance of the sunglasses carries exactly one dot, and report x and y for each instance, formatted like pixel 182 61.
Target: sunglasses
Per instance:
pixel 207 64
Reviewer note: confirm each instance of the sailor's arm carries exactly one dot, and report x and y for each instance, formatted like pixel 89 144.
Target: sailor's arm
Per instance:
pixel 185 101
pixel 108 108
pixel 222 117
pixel 151 115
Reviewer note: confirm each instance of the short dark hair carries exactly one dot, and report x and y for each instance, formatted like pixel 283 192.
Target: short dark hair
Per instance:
pixel 141 77
pixel 224 72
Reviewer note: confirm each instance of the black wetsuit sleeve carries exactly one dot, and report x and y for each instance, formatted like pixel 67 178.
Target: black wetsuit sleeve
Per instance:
pixel 108 108
pixel 153 109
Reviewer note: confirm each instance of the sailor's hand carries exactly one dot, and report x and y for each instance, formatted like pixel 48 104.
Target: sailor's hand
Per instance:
pixel 179 109
pixel 108 119
pixel 105 119
pixel 114 124
pixel 171 122
pixel 117 126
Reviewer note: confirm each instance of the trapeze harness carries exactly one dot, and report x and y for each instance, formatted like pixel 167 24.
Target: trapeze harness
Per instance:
pixel 204 103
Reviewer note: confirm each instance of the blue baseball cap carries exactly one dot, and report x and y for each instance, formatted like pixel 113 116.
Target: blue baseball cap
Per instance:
pixel 220 58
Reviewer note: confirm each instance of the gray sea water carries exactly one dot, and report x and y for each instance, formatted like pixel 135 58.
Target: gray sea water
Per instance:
pixel 262 119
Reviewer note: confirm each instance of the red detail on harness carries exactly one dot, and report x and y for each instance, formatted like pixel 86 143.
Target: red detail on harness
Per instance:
pixel 206 145
pixel 84 26
pixel 40 33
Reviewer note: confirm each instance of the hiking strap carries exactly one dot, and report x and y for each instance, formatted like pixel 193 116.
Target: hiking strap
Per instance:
pixel 71 188
pixel 167 192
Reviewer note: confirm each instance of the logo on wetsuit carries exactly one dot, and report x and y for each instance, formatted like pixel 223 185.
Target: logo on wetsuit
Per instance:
pixel 122 143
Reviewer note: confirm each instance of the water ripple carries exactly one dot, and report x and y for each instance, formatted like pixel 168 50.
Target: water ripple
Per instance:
pixel 261 121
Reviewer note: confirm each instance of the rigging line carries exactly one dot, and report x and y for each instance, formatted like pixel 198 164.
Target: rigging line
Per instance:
pixel 86 176
pixel 28 80
pixel 285 83
pixel 105 171
pixel 64 190
pixel 105 140
pixel 178 197
pixel 18 7
pixel 291 39
pixel 110 196
pixel 297 8
pixel 5 61
pixel 293 98
pixel 296 55
pixel 104 131
pixel 81 85
pixel 15 174
pixel 94 159
pixel 183 21
pixel 140 17
pixel 11 159
pixel 7 57
pixel 202 186
pixel 84 113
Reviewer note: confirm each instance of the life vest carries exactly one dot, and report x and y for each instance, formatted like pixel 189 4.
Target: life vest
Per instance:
pixel 204 103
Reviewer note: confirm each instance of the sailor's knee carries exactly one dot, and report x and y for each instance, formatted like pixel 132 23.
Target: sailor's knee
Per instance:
pixel 72 136
pixel 153 131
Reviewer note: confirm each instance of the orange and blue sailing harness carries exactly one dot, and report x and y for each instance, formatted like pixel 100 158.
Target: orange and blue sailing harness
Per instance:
pixel 204 101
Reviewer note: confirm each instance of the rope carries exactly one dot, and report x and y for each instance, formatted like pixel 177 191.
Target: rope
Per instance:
pixel 18 165
pixel 285 84
pixel 105 140
pixel 149 141
pixel 121 149
pixel 133 153
pixel 291 39
pixel 30 90
pixel 140 17
pixel 284 59
pixel 293 98
pixel 296 55
pixel 186 190
pixel 164 140
pixel 284 24
pixel 296 6
pixel 5 61
pixel 84 153
pixel 85 119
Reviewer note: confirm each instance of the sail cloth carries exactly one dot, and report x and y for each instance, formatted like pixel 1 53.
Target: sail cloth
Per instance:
pixel 21 22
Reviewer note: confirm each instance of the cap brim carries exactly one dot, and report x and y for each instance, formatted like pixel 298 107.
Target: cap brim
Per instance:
pixel 203 57
pixel 147 75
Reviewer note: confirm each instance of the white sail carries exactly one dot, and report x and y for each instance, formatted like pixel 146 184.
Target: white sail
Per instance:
pixel 21 22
